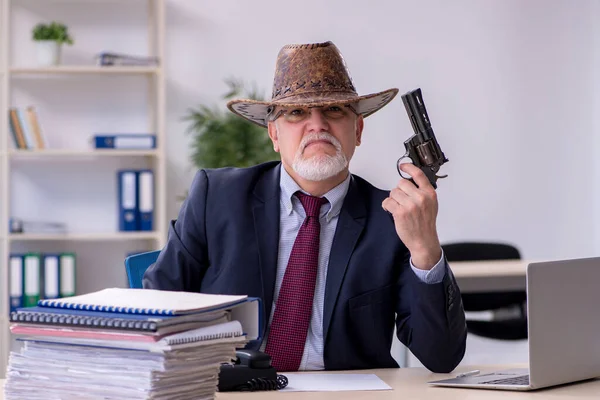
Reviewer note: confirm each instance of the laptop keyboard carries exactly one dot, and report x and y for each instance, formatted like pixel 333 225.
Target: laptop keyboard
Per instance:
pixel 517 380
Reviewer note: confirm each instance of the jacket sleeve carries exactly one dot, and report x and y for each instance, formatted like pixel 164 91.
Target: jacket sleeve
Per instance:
pixel 184 259
pixel 431 320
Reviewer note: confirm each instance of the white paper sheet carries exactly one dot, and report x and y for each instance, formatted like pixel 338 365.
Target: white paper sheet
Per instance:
pixel 315 382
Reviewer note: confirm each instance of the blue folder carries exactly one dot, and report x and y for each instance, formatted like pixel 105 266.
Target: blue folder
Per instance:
pixel 145 183
pixel 128 200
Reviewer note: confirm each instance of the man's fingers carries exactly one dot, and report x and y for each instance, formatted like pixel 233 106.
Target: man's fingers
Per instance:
pixel 390 205
pixel 400 196
pixel 408 195
pixel 408 187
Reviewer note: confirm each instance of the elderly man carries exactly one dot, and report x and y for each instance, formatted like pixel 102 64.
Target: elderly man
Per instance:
pixel 336 261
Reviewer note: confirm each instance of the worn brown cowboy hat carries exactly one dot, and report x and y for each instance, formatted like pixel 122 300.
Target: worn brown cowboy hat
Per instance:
pixel 310 75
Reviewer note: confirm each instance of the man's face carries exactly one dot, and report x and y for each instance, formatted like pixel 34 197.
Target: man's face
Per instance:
pixel 317 143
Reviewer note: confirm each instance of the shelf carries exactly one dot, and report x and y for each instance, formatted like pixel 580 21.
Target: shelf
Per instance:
pixel 98 244
pixel 85 237
pixel 92 69
pixel 62 153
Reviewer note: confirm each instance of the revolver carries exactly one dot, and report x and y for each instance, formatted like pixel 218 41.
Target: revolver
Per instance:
pixel 422 148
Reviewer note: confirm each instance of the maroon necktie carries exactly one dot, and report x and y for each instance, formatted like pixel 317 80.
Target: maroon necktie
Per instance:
pixel 285 343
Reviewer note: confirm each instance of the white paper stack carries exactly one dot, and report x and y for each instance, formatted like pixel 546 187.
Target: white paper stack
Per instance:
pixel 69 356
pixel 180 366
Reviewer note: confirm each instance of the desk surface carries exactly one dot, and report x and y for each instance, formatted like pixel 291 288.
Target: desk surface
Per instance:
pixel 490 276
pixel 489 269
pixel 409 383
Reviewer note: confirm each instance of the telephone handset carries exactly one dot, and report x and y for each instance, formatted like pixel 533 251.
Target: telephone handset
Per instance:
pixel 251 371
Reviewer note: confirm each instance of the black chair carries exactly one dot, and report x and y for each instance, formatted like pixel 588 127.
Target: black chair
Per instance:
pixel 514 328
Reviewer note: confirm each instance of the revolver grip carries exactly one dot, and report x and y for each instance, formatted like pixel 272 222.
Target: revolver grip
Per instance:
pixel 429 173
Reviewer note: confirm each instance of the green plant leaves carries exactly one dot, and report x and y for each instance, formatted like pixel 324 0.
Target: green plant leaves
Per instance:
pixel 223 139
pixel 54 31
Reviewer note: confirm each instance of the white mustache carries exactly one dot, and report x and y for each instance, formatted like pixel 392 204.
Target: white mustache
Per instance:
pixel 319 136
pixel 319 168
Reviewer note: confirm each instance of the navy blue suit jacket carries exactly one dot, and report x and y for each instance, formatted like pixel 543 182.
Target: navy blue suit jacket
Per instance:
pixel 225 240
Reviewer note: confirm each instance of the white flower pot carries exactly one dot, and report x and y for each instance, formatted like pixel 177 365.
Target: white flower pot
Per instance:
pixel 48 53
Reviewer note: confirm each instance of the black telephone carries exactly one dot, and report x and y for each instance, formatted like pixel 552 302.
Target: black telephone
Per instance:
pixel 251 371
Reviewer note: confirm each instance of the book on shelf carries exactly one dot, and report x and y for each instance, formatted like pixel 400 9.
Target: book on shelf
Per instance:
pixel 182 363
pixel 125 141
pixel 34 276
pixel 25 128
pixel 135 190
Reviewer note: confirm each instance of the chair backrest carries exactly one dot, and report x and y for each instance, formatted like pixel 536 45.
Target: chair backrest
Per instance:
pixel 485 251
pixel 479 251
pixel 137 264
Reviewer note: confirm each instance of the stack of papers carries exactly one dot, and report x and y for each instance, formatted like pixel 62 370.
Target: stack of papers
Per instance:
pixel 111 58
pixel 44 370
pixel 71 355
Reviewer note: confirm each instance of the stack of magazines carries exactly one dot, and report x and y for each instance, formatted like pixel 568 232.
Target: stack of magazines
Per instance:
pixel 106 58
pixel 17 225
pixel 126 344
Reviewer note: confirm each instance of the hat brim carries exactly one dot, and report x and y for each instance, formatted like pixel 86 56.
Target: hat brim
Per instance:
pixel 256 111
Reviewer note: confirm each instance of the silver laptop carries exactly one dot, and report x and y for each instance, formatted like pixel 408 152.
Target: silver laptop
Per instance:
pixel 563 329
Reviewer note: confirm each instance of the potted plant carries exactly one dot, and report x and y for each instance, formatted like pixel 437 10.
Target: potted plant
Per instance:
pixel 222 139
pixel 49 39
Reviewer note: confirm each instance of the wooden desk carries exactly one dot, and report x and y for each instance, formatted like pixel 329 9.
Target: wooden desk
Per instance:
pixel 490 276
pixel 410 383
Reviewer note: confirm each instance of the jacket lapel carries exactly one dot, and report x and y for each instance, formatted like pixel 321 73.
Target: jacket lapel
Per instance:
pixel 350 225
pixel 266 228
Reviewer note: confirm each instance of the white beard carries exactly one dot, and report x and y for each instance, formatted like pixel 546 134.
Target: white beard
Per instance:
pixel 321 166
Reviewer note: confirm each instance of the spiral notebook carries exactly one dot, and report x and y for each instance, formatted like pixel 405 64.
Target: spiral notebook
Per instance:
pixel 66 316
pixel 21 321
pixel 150 306
pixel 227 332
pixel 41 318
pixel 144 301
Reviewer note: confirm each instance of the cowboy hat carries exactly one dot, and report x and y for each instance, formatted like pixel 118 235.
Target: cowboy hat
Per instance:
pixel 310 75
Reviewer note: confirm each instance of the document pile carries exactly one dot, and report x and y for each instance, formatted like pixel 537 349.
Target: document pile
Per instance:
pixel 107 58
pixel 17 225
pixel 127 344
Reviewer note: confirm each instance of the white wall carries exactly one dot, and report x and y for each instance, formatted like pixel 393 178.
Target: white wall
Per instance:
pixel 509 87
pixel 596 127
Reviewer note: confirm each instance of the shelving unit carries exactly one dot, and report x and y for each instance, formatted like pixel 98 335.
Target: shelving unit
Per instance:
pixel 19 72
pixel 86 237
pixel 4 186
pixel 56 153
pixel 105 247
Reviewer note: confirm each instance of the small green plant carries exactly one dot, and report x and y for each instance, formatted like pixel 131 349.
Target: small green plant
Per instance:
pixel 55 31
pixel 222 139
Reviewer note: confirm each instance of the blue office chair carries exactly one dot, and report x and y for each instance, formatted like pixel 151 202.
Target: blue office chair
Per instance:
pixel 137 264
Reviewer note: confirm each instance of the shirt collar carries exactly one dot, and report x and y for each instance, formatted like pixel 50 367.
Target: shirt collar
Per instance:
pixel 335 196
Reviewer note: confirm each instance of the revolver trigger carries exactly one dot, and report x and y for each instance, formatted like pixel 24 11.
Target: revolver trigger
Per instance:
pixel 440 177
